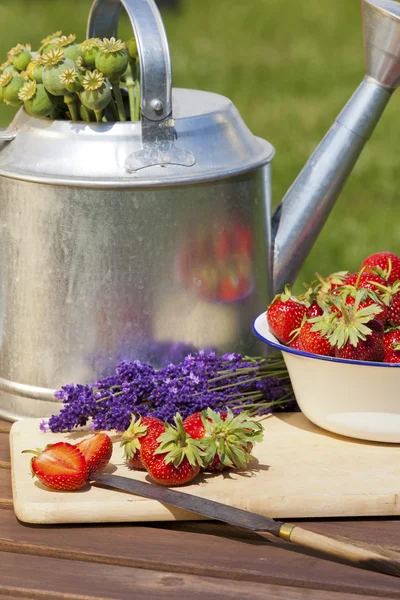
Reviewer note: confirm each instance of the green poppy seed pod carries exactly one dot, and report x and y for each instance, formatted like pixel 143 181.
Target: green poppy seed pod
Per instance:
pixel 112 58
pixel 22 60
pixel 89 49
pixel 72 51
pixel 37 73
pixel 72 79
pixel 132 48
pixel 96 94
pixel 1 94
pixel 48 40
pixel 68 46
pixel 10 91
pixel 54 63
pixel 37 100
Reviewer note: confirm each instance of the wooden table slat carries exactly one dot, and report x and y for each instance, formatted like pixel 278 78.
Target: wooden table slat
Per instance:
pixel 192 552
pixel 72 580
pixel 4 447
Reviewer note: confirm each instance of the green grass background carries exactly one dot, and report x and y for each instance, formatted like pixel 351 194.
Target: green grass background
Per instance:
pixel 289 67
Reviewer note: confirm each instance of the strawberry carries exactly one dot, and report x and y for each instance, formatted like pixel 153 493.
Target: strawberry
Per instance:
pixel 97 451
pixel 311 340
pixel 60 466
pixel 295 343
pixel 227 439
pixel 391 343
pixel 139 431
pixel 314 310
pixel 366 297
pixel 353 330
pixel 284 315
pixel 173 458
pixel 385 264
pixel 370 349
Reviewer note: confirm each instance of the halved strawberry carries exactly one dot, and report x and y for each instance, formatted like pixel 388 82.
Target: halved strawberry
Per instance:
pixel 97 451
pixel 227 439
pixel 139 430
pixel 60 466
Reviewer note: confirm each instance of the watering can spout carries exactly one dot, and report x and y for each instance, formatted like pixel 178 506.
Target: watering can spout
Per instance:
pixel 307 204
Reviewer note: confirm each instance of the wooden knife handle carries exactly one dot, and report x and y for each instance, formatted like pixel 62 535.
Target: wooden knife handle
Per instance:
pixel 365 556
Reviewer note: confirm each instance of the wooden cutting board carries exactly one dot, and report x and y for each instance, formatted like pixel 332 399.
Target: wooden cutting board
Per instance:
pixel 299 471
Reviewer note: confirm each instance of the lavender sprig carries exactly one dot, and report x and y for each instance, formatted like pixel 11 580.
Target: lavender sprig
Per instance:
pixel 259 385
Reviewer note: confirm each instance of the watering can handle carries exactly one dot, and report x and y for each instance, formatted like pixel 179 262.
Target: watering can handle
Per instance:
pixel 153 51
pixel 158 133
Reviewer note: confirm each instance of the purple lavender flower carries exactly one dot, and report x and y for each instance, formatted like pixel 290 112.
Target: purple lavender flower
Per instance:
pixel 201 380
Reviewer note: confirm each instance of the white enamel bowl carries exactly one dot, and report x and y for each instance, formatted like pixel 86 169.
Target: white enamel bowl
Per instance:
pixel 353 398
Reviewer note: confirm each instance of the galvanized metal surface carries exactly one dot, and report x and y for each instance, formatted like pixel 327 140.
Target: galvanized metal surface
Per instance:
pixel 89 278
pixel 93 155
pixel 381 20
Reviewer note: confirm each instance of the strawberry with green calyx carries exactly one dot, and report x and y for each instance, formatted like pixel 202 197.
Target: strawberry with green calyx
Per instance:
pixel 140 430
pixel 385 264
pixel 390 295
pixel 174 458
pixel 312 340
pixel 227 439
pixel 328 284
pixel 364 280
pixel 391 344
pixel 364 296
pixel 285 315
pixel 97 451
pixel 112 60
pixel 59 466
pixel 354 332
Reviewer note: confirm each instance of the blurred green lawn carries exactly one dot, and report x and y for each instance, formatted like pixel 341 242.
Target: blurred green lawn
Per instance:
pixel 289 67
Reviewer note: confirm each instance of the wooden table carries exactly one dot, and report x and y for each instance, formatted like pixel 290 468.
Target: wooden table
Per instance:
pixel 187 560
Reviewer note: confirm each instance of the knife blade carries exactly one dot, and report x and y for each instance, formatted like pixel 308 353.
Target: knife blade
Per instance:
pixel 201 506
pixel 359 554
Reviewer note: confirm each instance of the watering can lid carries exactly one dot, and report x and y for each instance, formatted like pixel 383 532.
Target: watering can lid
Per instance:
pixel 207 140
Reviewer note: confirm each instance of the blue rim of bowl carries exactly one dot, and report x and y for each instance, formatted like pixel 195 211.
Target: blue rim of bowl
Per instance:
pixel 288 350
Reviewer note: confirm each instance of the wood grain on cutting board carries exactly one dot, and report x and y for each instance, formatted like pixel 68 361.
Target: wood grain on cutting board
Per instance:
pixel 299 471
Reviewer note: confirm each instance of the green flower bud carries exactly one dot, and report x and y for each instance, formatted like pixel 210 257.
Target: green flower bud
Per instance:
pixel 1 94
pixel 112 58
pixel 89 49
pixel 96 94
pixel 72 79
pixel 22 60
pixel 55 63
pixel 37 100
pixel 132 48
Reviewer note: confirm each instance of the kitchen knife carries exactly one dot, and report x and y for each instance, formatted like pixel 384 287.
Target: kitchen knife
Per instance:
pixel 362 555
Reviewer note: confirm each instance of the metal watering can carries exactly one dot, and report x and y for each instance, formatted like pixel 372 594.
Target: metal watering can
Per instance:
pixel 148 239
